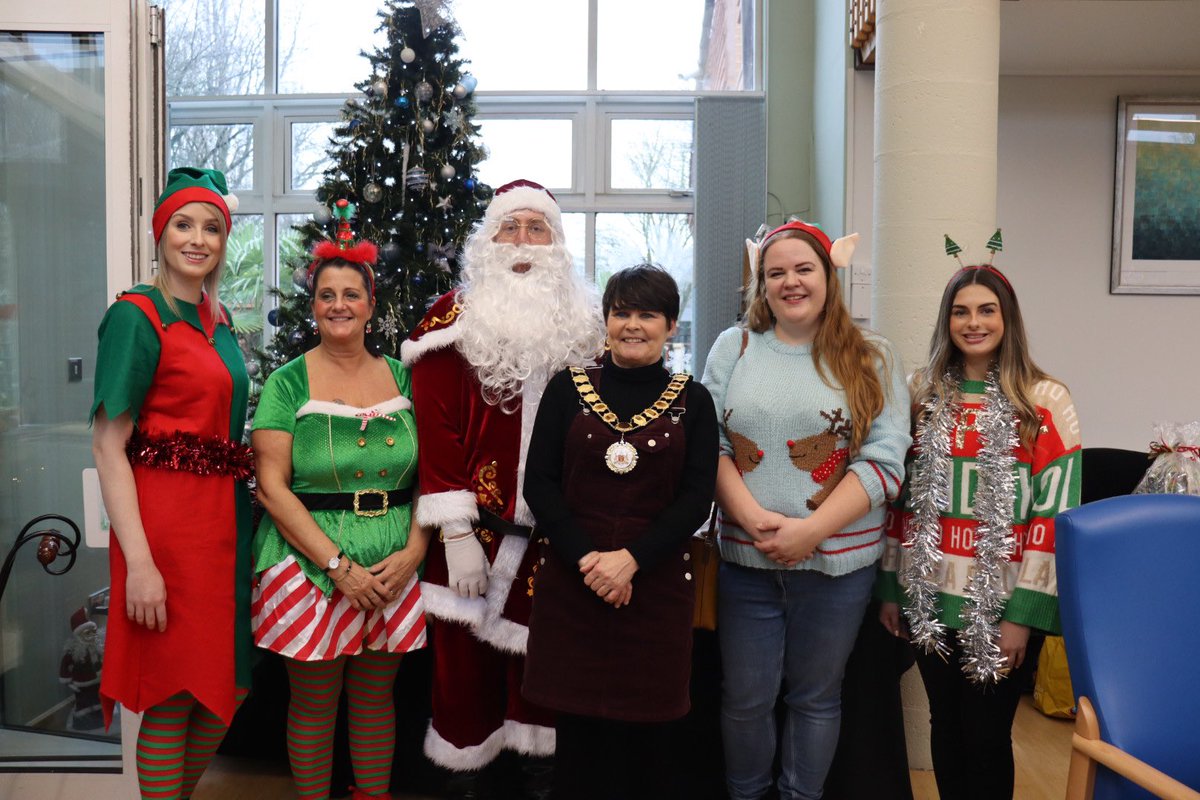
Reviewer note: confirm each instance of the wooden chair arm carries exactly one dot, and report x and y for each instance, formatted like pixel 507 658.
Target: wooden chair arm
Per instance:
pixel 1086 741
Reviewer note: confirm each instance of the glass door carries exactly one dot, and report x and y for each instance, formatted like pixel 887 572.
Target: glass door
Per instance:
pixel 69 203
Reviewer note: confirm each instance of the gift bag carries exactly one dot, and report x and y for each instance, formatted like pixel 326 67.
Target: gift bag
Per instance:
pixel 1052 693
pixel 1176 454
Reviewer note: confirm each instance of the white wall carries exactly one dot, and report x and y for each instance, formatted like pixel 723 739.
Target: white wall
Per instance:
pixel 1129 360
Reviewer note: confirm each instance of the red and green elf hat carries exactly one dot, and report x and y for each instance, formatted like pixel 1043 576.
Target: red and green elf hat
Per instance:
pixel 193 185
pixel 362 254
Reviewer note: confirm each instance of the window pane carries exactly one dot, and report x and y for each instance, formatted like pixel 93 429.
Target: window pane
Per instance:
pixel 574 226
pixel 623 240
pixel 536 149
pixel 634 53
pixel 214 47
pixel 310 153
pixel 651 154
pixel 536 44
pixel 319 44
pixel 229 148
pixel 242 282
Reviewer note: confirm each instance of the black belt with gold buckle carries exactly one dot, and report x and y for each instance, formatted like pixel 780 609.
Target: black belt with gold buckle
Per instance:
pixel 364 502
pixel 497 524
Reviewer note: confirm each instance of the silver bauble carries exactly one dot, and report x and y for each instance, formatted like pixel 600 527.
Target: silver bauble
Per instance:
pixel 372 192
pixel 447 172
pixel 424 91
pixel 408 55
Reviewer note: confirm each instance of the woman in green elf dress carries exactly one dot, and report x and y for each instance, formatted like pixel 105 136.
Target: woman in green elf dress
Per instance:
pixel 338 554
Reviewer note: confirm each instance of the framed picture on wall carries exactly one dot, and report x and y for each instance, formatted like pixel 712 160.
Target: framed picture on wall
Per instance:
pixel 1156 206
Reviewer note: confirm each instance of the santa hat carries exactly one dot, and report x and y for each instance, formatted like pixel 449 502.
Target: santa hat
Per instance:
pixel 80 621
pixel 838 252
pixel 193 185
pixel 524 195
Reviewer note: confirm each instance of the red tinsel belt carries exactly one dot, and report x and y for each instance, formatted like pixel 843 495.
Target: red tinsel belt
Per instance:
pixel 190 452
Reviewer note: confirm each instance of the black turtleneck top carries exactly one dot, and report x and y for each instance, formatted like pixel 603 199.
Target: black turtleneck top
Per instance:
pixel 626 391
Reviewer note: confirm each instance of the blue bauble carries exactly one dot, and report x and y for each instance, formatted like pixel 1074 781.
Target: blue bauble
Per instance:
pixel 401 102
pixel 469 83
pixel 420 247
pixel 273 316
pixel 470 184
pixel 418 280
pixel 297 338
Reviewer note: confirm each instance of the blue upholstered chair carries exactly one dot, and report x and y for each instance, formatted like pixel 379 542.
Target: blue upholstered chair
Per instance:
pixel 1129 592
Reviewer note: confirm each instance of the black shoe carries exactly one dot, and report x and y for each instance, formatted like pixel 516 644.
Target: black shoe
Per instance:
pixel 468 786
pixel 537 777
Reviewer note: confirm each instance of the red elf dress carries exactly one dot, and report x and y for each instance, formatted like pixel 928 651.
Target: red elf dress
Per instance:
pixel 183 380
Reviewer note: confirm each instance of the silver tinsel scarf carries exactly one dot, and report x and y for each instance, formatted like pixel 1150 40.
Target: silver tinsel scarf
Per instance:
pixel 929 493
pixel 994 543
pixel 994 500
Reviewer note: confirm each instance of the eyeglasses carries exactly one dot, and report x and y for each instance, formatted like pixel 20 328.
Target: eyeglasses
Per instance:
pixel 537 231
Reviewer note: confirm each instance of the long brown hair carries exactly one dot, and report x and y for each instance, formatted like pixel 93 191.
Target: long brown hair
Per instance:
pixel 839 345
pixel 1017 372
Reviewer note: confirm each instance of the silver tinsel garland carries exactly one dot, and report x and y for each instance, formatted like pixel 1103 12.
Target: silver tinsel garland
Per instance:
pixel 993 502
pixel 994 543
pixel 929 493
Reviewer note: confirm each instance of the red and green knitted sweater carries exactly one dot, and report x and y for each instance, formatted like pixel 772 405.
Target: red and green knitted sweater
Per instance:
pixel 1048 480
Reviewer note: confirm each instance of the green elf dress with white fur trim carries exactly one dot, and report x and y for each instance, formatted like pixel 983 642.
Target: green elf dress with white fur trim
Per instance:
pixel 297 611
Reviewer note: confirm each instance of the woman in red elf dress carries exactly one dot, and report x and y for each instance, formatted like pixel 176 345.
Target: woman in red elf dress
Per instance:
pixel 169 411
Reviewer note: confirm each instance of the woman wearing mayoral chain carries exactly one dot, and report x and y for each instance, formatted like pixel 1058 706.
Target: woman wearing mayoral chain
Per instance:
pixel 620 474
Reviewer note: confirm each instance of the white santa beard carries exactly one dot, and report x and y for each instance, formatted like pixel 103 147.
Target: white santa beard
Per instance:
pixel 517 327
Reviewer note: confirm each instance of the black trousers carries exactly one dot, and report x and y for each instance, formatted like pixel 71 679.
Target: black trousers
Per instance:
pixel 971 735
pixel 603 759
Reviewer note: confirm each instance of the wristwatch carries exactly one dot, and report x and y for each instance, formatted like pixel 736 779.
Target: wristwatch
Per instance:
pixel 335 560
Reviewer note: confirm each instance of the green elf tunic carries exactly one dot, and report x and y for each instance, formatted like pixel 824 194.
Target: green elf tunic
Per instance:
pixel 183 380
pixel 337 448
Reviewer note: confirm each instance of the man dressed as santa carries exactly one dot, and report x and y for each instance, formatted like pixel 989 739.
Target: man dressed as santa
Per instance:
pixel 480 359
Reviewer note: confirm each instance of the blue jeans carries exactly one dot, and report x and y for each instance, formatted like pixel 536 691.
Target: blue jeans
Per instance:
pixel 792 628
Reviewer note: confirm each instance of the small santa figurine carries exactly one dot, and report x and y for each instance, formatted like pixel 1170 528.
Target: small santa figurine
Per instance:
pixel 79 671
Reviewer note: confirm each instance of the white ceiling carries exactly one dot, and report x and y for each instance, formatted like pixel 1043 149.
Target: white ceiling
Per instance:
pixel 1100 37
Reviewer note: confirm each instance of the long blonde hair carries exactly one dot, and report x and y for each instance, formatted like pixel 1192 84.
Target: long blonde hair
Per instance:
pixel 839 345
pixel 1018 373
pixel 212 280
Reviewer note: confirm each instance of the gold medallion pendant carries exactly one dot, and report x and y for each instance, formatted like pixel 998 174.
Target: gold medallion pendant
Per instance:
pixel 621 457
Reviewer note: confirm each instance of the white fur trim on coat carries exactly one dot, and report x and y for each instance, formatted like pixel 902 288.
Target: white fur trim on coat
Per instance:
pixel 463 759
pixel 501 633
pixel 435 510
pixel 411 351
pixel 446 604
pixel 532 740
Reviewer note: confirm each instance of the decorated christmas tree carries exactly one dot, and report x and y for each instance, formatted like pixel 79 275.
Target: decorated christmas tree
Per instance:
pixel 405 158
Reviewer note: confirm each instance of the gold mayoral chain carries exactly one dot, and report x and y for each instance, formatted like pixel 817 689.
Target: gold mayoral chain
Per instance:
pixel 621 457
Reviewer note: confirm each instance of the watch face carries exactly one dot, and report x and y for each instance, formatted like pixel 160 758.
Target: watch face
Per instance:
pixel 333 562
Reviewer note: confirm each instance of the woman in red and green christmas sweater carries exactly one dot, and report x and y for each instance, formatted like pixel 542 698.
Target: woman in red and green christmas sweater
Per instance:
pixel 970 546
pixel 169 411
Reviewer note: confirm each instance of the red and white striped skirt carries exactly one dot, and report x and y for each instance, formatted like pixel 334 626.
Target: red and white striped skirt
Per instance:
pixel 292 617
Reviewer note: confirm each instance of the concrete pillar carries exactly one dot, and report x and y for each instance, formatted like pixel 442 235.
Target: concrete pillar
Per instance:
pixel 937 70
pixel 936 91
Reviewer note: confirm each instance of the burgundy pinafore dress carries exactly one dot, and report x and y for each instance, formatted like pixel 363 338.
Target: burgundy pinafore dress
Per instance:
pixel 585 656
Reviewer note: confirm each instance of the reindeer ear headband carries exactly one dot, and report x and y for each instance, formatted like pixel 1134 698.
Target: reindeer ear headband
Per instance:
pixel 839 251
pixel 994 245
pixel 362 255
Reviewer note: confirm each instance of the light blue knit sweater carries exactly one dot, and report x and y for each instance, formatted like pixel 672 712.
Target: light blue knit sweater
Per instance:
pixel 788 432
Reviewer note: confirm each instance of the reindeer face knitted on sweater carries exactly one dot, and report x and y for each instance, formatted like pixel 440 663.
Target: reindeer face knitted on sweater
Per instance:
pixel 820 455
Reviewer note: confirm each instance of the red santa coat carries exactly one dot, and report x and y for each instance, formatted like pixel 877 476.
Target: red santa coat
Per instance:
pixel 472 455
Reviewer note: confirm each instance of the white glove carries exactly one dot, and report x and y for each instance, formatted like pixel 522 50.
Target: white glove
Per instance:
pixel 466 563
